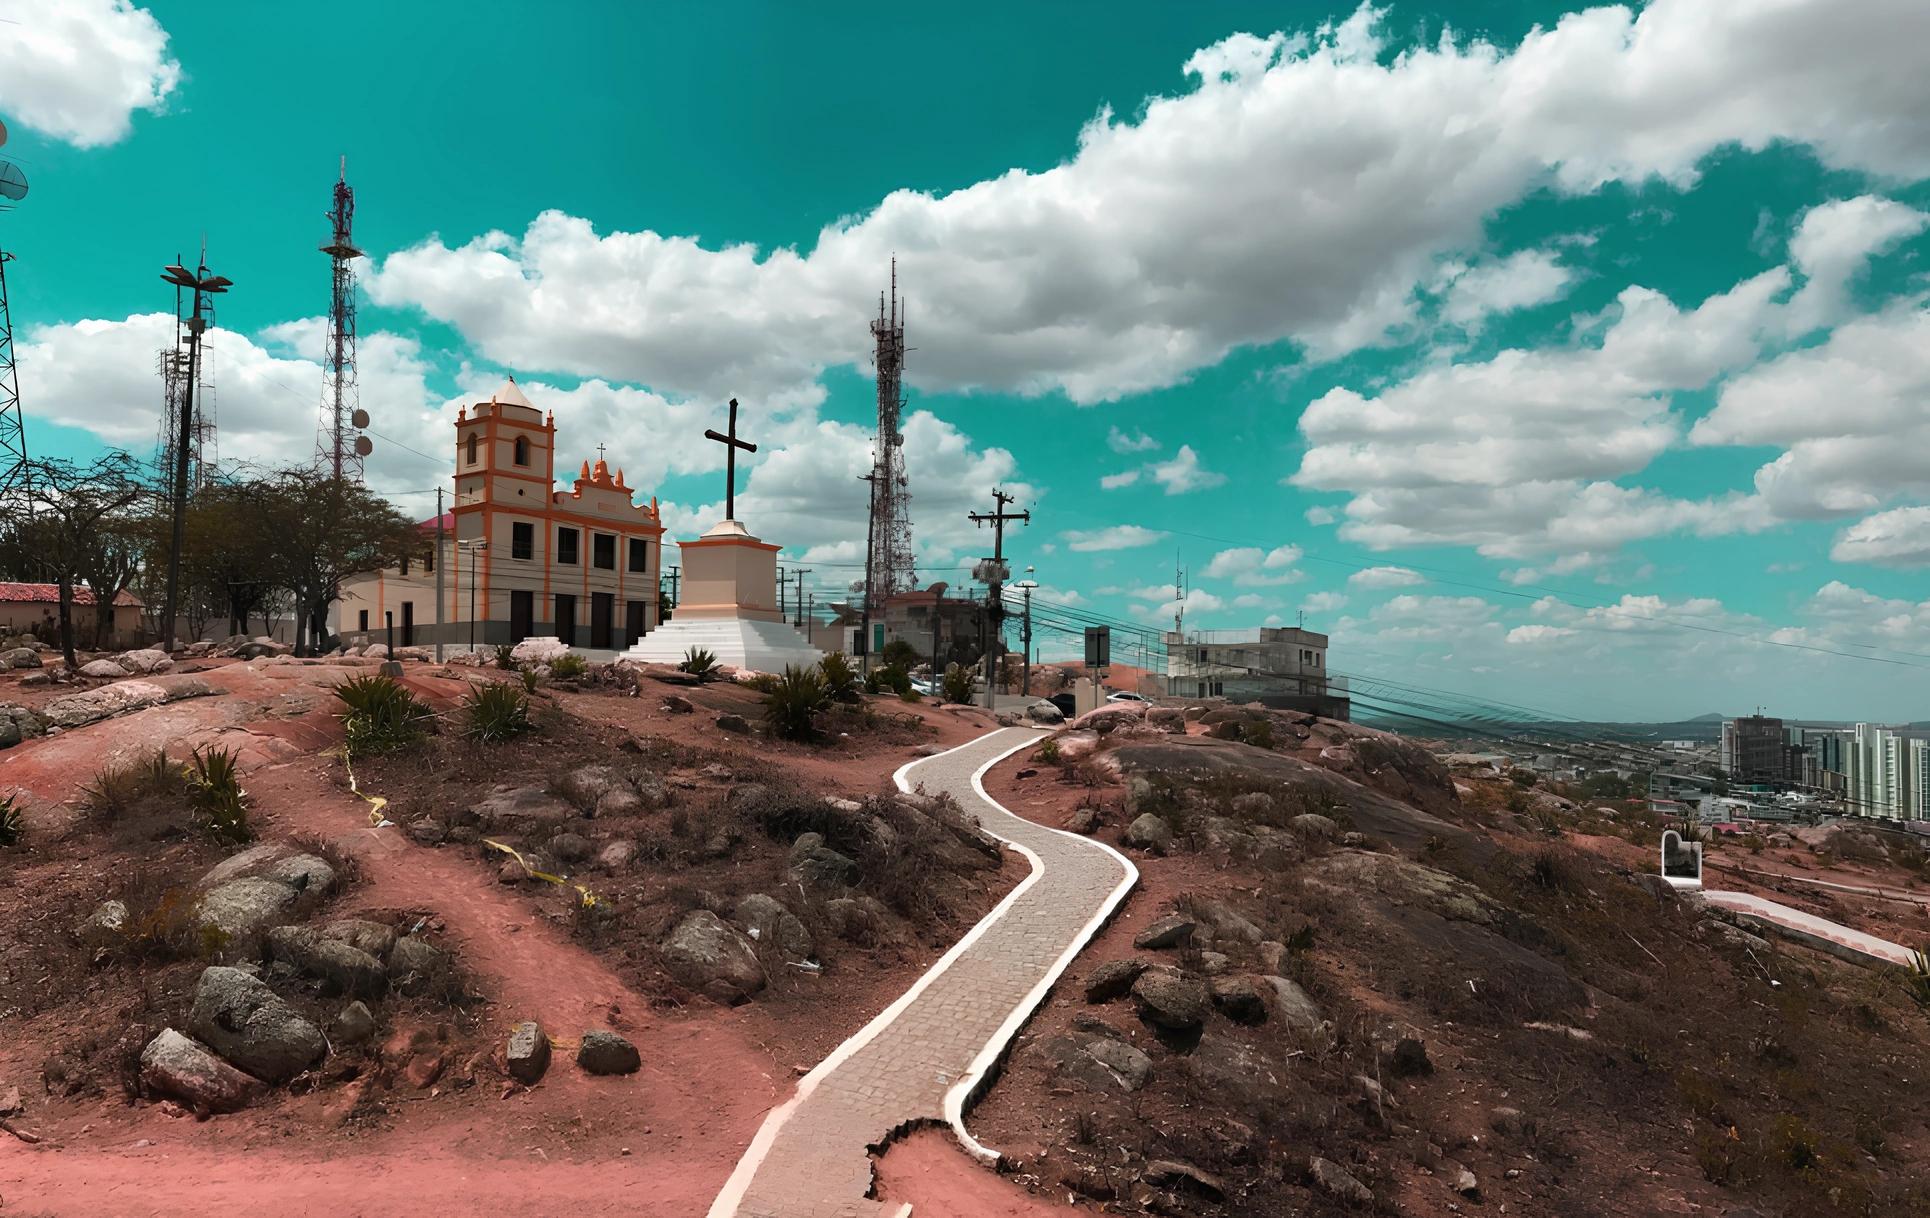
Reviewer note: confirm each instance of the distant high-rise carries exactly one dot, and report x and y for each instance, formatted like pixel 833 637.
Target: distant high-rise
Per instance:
pixel 1753 749
pixel 1887 773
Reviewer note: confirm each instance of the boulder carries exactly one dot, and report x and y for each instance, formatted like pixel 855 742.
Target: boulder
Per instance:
pixel 1099 1062
pixel 104 927
pixel 538 651
pixel 733 723
pixel 607 1053
pixel 412 653
pixel 240 1018
pixel 1083 821
pixel 1075 745
pixel 1044 712
pixel 240 911
pixel 342 969
pixel 1337 1182
pixel 1113 979
pixel 677 704
pixel 766 920
pixel 103 668
pixel 20 657
pixel 1290 1005
pixel 1169 931
pixel 376 651
pixel 585 785
pixel 857 919
pixel 17 723
pixel 528 1054
pixel 571 847
pixel 818 868
pixel 1314 825
pixel 707 954
pixel 375 938
pixel 1241 999
pixel 1170 1000
pixel 511 809
pixel 1221 923
pixel 1149 832
pixel 617 856
pixel 147 659
pixel 1110 717
pixel 416 967
pixel 175 1066
pixel 1166 719
pixel 352 1025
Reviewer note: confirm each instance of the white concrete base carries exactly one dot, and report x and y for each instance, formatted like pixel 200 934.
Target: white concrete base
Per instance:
pixel 738 642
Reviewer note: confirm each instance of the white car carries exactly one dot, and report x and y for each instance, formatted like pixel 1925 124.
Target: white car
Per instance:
pixel 1126 696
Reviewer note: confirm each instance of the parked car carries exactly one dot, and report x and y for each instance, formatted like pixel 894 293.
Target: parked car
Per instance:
pixel 1125 695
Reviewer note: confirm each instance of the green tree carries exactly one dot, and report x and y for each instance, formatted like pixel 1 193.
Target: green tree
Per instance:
pixel 323 532
pixel 58 522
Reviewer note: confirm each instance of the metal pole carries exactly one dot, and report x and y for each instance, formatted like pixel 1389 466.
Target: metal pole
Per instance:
pixel 388 620
pixel 440 564
pixel 180 488
pixel 1026 689
pixel 472 600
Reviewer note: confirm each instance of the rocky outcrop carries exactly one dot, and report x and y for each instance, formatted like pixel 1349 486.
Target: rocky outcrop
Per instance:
pixel 513 809
pixel 239 912
pixel 1099 1062
pixel 818 868
pixel 1149 832
pixel 708 955
pixel 1170 1000
pixel 247 1023
pixel 1169 931
pixel 1113 979
pixel 415 967
pixel 175 1066
pixel 769 923
pixel 340 968
pixel 93 705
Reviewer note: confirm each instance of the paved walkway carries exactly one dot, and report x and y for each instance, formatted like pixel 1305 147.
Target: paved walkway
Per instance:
pixel 922 1058
pixel 1831 936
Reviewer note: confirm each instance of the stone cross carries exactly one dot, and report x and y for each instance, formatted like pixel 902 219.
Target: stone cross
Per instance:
pixel 731 444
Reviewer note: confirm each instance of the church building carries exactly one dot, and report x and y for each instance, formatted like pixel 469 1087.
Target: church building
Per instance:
pixel 518 557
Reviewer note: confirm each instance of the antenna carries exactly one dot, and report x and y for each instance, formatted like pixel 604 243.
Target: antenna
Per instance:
pixel 341 444
pixel 1179 595
pixel 889 565
pixel 13 425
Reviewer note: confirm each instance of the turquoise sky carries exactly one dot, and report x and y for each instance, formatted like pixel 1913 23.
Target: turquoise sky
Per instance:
pixel 1457 304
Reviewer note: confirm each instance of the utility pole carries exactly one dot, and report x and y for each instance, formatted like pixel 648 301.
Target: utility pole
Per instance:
pixel 870 564
pixel 439 566
pixel 202 284
pixel 1025 688
pixel 937 620
pixel 783 578
pixel 995 583
pixel 798 600
pixel 673 587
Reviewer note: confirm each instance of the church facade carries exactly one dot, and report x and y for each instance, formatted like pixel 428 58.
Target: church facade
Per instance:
pixel 519 558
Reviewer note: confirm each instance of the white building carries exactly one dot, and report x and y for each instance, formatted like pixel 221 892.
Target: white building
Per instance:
pixel 1887 773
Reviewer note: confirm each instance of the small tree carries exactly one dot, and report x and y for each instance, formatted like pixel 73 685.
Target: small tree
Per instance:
pixel 326 531
pixel 57 518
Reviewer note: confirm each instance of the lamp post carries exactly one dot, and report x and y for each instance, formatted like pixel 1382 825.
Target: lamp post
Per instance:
pixel 201 283
pixel 475 547
pixel 1025 688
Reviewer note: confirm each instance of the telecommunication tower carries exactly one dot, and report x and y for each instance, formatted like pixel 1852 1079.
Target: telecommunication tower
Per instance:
pixel 175 365
pixel 888 561
pixel 341 444
pixel 13 428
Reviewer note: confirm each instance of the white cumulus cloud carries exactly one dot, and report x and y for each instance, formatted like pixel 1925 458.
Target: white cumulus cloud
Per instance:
pixel 77 70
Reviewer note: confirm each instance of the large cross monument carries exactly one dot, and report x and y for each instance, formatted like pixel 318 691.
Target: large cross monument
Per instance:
pixel 727 602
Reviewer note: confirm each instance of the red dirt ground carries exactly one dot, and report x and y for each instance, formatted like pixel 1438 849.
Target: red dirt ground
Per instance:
pixel 660 1142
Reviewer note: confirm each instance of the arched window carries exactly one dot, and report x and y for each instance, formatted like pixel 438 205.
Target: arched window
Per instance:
pixel 522 450
pixel 472 448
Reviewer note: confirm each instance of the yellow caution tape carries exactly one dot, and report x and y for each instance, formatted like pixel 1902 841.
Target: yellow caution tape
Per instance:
pixel 590 899
pixel 376 802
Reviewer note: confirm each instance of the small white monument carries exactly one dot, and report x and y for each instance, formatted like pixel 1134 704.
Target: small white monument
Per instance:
pixel 1681 861
pixel 727 600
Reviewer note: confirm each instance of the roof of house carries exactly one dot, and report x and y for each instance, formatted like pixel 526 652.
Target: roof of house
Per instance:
pixel 447 520
pixel 49 594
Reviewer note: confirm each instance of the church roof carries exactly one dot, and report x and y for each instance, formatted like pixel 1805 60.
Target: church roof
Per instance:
pixel 510 395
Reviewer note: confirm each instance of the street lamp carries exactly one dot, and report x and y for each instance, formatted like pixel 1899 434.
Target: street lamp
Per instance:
pixel 475 547
pixel 201 283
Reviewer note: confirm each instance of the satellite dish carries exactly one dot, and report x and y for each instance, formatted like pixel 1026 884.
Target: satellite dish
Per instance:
pixel 13 183
pixel 898 439
pixel 362 446
pixel 361 417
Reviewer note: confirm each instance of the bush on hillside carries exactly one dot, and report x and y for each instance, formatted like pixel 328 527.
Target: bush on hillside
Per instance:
pixel 793 702
pixel 381 714
pixel 496 712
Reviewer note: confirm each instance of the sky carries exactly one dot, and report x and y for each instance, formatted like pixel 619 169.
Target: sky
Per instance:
pixel 1562 357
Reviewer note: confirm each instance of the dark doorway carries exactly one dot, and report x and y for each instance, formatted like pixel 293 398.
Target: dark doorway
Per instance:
pixel 408 623
pixel 633 612
pixel 522 615
pixel 566 619
pixel 603 608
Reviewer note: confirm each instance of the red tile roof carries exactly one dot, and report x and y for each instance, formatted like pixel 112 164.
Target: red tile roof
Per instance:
pixel 447 520
pixel 49 594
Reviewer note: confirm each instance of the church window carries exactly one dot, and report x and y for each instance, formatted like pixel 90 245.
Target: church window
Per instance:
pixel 522 450
pixel 603 551
pixel 639 554
pixel 566 546
pixel 522 539
pixel 472 448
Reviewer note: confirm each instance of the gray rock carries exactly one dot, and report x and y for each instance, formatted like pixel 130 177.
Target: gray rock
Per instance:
pixel 93 705
pixel 585 785
pixel 1462 1181
pixel 1113 979
pixel 617 801
pixel 175 1066
pixel 617 856
pixel 510 809
pixel 1337 1182
pixel 148 659
pixel 104 927
pixel 1083 821
pixel 243 1020
pixel 1175 1174
pixel 1214 963
pixel 21 657
pixel 103 668
pixel 707 954
pixel 342 969
pixel 1169 931
pixel 528 1055
pixel 1166 719
pixel 607 1053
pixel 1221 923
pixel 1149 832
pixel 305 873
pixel 860 919
pixel 1241 999
pixel 818 868
pixel 1044 712
pixel 241 911
pixel 427 832
pixel 1290 1005
pixel 733 723
pixel 1099 1062
pixel 1171 1000
pixel 250 862
pixel 416 967
pixel 375 938
pixel 766 920
pixel 571 847
pixel 1314 825
pixel 352 1025
pixel 677 704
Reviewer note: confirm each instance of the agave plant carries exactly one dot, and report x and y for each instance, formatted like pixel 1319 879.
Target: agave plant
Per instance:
pixel 700 663
pixel 793 702
pixel 381 714
pixel 496 712
pixel 840 679
pixel 11 824
pixel 214 793
pixel 568 665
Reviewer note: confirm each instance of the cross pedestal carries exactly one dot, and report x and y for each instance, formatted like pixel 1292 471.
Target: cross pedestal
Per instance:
pixel 728 607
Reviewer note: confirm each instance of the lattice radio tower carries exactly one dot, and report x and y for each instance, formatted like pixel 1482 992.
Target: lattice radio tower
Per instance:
pixel 888 564
pixel 13 428
pixel 340 443
pixel 173 364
